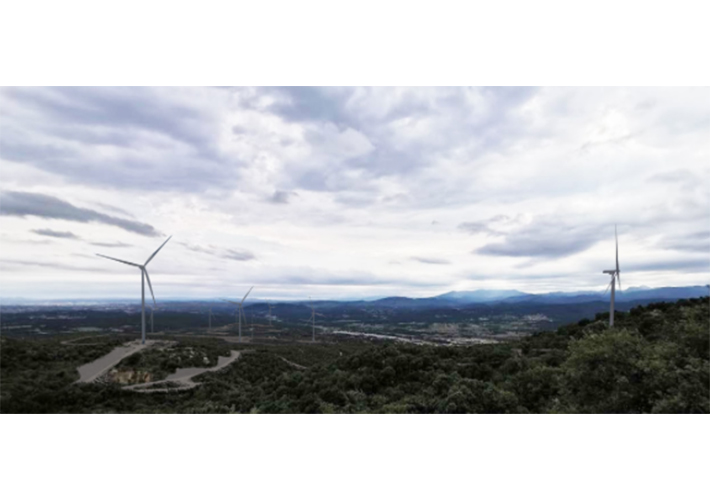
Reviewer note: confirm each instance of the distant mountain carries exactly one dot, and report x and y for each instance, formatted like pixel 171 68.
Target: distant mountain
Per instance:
pixel 463 298
pixel 450 300
pixel 480 296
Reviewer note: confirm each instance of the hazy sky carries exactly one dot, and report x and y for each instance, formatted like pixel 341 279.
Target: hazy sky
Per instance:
pixel 351 192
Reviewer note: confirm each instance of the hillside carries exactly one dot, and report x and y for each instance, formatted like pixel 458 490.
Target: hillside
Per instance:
pixel 655 360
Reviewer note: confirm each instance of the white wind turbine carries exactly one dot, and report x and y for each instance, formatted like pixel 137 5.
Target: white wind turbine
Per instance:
pixel 270 308
pixel 240 311
pixel 144 276
pixel 152 310
pixel 313 319
pixel 615 276
pixel 209 319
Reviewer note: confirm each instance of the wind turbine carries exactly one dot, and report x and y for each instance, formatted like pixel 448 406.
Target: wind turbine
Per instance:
pixel 152 309
pixel 615 276
pixel 313 319
pixel 144 276
pixel 270 308
pixel 209 320
pixel 240 311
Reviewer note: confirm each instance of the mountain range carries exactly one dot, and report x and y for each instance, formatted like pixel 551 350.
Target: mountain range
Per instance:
pixel 462 298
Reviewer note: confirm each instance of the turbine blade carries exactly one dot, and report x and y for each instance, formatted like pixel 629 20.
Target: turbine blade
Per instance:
pixel 158 250
pixel 147 276
pixel 118 260
pixel 618 278
pixel 608 287
pixel 245 297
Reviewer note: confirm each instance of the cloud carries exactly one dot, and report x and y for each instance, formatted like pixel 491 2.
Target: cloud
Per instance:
pixel 398 131
pixel 136 138
pixel 281 197
pixel 546 238
pixel 22 204
pixel 56 234
pixel 429 260
pixel 494 226
pixel 474 227
pixel 373 167
pixel 688 265
pixel 239 255
pixel 111 208
pixel 679 175
pixel 698 241
pixel 111 245
pixel 18 265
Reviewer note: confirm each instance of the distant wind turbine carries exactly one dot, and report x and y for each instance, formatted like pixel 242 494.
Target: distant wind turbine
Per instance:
pixel 209 320
pixel 240 311
pixel 615 276
pixel 313 319
pixel 144 276
pixel 270 308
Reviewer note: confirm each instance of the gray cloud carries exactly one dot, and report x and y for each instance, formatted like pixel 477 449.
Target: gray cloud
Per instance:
pixel 487 226
pixel 157 138
pixel 372 165
pixel 474 227
pixel 111 208
pixel 281 197
pixel 429 260
pixel 698 241
pixel 22 204
pixel 545 238
pixel 689 265
pixel 480 120
pixel 240 255
pixel 18 264
pixel 237 255
pixel 679 175
pixel 56 234
pixel 111 245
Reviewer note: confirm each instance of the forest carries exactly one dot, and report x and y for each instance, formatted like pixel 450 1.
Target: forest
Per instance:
pixel 655 360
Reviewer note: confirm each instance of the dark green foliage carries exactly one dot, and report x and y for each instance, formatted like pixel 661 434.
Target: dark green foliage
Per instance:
pixel 161 362
pixel 655 360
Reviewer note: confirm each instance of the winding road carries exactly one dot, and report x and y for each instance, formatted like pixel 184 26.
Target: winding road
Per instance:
pixel 91 371
pixel 183 376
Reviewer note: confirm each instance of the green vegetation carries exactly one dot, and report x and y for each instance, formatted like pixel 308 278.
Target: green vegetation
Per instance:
pixel 164 360
pixel 656 359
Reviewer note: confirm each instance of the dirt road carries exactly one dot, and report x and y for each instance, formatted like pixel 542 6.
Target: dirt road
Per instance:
pixel 183 376
pixel 91 371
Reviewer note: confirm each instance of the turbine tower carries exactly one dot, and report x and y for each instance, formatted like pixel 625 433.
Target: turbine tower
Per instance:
pixel 152 309
pixel 209 320
pixel 240 311
pixel 144 276
pixel 270 308
pixel 313 319
pixel 615 276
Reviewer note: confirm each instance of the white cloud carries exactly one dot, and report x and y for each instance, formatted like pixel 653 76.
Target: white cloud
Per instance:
pixel 320 190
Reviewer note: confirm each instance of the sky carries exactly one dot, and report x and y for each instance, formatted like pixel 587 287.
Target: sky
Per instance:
pixel 343 193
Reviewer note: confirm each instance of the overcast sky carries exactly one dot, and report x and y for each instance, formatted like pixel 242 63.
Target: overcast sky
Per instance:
pixel 351 192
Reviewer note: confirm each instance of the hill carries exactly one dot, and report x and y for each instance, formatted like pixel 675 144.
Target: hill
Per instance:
pixel 656 360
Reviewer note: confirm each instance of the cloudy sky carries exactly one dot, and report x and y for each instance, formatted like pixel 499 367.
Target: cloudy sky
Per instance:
pixel 351 192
